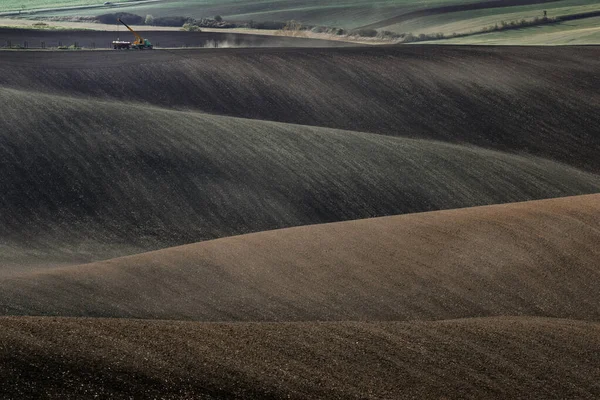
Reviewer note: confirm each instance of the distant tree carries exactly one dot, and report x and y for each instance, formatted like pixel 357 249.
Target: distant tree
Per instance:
pixel 366 32
pixel 191 27
pixel 292 28
pixel 149 20
pixel 218 18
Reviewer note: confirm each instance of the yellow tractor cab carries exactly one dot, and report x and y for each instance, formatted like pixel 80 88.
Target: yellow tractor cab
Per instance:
pixel 139 43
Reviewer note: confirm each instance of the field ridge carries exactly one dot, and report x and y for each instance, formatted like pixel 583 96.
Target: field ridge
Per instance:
pixel 508 259
pixel 111 179
pixel 469 90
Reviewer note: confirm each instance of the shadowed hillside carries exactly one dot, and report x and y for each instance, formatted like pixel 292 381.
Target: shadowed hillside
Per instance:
pixel 534 258
pixel 231 197
pixel 89 180
pixel 542 101
pixel 522 358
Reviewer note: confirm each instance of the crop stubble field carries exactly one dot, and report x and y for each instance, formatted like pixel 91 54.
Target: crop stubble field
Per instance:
pixel 105 156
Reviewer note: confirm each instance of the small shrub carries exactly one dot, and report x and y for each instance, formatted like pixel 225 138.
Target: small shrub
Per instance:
pixel 410 38
pixel 389 35
pixel 149 20
pixel 319 29
pixel 292 28
pixel 212 23
pixel 366 32
pixel 188 27
pixel 218 18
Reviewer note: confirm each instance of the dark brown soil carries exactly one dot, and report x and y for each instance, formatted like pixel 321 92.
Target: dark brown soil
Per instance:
pixel 106 153
pixel 533 258
pixel 84 180
pixel 89 39
pixel 516 358
pixel 534 100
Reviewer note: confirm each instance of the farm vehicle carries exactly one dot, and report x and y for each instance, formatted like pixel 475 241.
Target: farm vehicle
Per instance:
pixel 139 43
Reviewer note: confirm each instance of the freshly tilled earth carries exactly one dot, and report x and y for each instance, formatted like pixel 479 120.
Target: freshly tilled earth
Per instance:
pixel 484 358
pixel 104 154
pixel 91 39
pixel 509 259
pixel 111 153
pixel 85 180
pixel 541 101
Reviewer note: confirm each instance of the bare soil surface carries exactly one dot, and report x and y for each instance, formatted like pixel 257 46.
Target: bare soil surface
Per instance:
pixel 92 39
pixel 536 100
pixel 534 258
pixel 85 180
pixel 107 153
pixel 489 358
pixel 24 25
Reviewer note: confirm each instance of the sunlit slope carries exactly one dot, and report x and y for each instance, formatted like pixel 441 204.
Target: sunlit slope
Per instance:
pixel 584 31
pixel 452 18
pixel 75 358
pixel 537 258
pixel 542 101
pixel 347 14
pixel 84 180
pixel 15 5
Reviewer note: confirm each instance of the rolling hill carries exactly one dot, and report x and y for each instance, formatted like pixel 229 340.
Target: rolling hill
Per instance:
pixel 472 17
pixel 301 222
pixel 516 358
pixel 541 101
pixel 404 17
pixel 583 31
pixel 532 259
pixel 84 180
pixel 347 14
